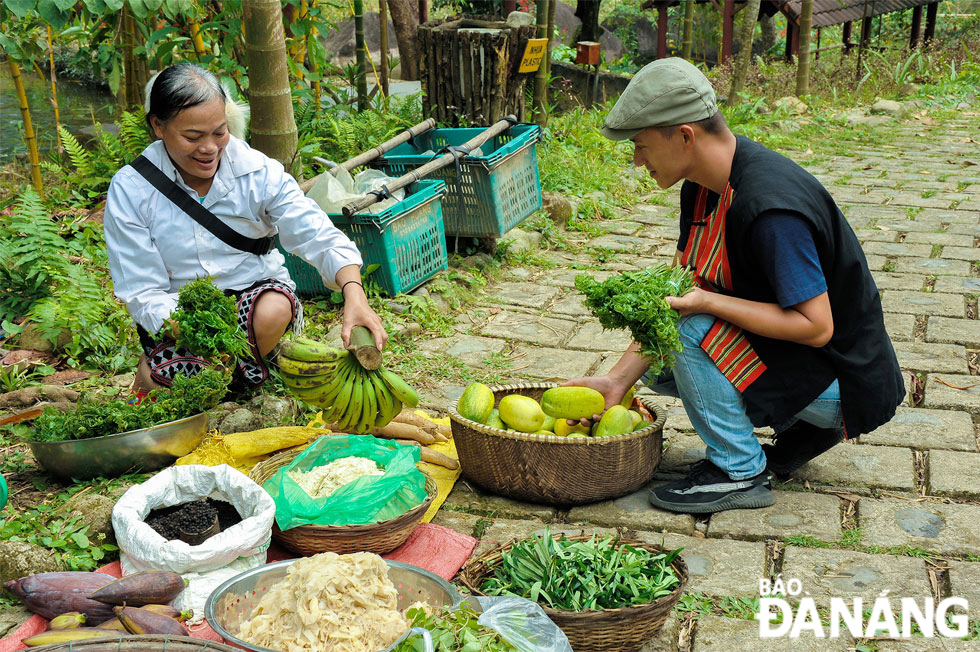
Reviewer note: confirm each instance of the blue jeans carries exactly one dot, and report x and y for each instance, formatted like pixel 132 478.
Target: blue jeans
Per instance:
pixel 717 409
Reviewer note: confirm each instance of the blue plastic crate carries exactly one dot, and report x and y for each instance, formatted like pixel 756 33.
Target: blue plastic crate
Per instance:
pixel 498 190
pixel 407 240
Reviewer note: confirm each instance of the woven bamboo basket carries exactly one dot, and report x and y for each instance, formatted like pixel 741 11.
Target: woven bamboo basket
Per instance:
pixel 141 643
pixel 551 469
pixel 378 538
pixel 625 629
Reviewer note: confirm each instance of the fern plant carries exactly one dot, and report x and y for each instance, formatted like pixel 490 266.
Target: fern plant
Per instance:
pixel 91 171
pixel 59 297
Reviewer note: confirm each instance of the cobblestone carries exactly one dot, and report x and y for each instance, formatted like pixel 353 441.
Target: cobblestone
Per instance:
pixel 925 429
pixel 718 634
pixel 948 529
pixel 632 511
pixel 524 327
pixel 916 356
pixel 955 474
pixel 921 303
pixel 941 395
pixel 848 465
pixel 846 574
pixel 795 513
pixel 717 566
pixel 953 331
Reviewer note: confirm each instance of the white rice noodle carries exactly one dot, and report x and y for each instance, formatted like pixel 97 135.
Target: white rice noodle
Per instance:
pixel 321 481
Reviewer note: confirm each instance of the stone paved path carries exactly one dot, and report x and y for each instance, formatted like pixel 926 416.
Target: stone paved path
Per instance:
pixel 896 510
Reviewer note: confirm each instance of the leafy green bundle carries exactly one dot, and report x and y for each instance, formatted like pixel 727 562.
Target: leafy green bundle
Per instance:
pixel 208 322
pixel 453 631
pixel 579 575
pixel 91 418
pixel 635 300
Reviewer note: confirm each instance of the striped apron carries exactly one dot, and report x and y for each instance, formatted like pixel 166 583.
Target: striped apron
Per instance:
pixel 707 256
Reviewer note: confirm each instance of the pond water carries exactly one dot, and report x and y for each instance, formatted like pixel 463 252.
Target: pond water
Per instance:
pixel 76 102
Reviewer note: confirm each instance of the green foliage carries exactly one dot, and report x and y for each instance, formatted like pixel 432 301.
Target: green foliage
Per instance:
pixel 576 160
pixel 52 525
pixel 208 322
pixel 91 171
pixel 58 297
pixel 453 631
pixel 92 418
pixel 635 300
pixel 580 575
pixel 13 378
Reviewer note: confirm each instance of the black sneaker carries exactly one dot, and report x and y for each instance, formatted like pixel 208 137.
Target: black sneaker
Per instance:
pixel 708 489
pixel 797 445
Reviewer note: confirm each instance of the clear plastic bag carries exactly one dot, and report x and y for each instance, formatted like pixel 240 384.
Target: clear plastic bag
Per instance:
pixel 335 188
pixel 523 624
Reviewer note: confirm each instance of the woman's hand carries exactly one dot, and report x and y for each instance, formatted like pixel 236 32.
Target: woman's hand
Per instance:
pixel 358 312
pixel 610 389
pixel 173 327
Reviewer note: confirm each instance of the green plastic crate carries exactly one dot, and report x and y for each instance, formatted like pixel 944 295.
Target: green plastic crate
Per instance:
pixel 499 189
pixel 407 240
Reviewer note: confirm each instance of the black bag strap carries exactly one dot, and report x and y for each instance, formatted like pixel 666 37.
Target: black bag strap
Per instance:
pixel 198 213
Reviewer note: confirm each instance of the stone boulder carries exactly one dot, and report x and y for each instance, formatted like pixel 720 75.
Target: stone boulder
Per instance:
pixel 340 42
pixel 791 105
pixel 557 207
pixel 273 410
pixel 20 559
pixel 240 420
pixel 641 27
pixel 888 107
pixel 568 23
pixel 95 511
pixel 522 241
pixel 519 19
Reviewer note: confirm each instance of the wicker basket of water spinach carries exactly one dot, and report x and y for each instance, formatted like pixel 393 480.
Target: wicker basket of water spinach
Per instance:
pixel 607 594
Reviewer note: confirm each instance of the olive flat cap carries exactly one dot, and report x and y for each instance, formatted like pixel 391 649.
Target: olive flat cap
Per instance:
pixel 663 93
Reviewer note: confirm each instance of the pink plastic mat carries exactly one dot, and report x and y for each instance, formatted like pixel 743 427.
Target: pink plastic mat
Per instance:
pixel 433 547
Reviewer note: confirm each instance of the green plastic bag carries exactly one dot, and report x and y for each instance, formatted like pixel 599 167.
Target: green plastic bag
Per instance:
pixel 369 499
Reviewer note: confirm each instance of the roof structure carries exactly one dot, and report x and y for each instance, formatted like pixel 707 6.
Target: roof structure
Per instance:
pixel 836 12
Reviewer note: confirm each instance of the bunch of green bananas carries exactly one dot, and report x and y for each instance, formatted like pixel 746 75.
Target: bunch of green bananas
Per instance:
pixel 355 398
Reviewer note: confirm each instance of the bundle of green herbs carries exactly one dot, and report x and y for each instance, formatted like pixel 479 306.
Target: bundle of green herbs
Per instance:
pixel 453 631
pixel 208 322
pixel 576 575
pixel 634 300
pixel 189 395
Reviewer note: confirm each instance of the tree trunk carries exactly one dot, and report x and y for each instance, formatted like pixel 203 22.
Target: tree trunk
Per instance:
pixel 361 81
pixel 25 113
pixel 273 127
pixel 687 39
pixel 768 25
pixel 383 43
pixel 803 61
pixel 588 12
pixel 195 29
pixel 750 14
pixel 406 22
pixel 541 76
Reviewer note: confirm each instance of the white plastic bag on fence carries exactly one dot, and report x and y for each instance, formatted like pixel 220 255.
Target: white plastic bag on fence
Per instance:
pixel 523 624
pixel 205 566
pixel 334 189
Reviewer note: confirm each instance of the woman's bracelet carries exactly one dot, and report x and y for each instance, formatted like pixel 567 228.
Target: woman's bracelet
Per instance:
pixel 357 283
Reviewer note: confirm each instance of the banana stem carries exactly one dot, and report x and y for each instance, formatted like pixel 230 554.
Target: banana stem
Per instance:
pixel 363 348
pixel 25 111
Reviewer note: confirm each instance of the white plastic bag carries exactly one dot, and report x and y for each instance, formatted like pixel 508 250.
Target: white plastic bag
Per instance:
pixel 334 189
pixel 523 624
pixel 205 566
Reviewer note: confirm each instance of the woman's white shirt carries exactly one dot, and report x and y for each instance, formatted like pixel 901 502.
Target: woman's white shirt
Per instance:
pixel 154 247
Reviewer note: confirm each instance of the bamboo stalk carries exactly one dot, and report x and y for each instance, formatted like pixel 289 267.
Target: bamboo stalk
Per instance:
pixel 25 112
pixel 383 35
pixel 54 92
pixel 503 125
pixel 688 34
pixel 314 68
pixel 196 38
pixel 129 58
pixel 424 66
pixel 362 96
pixel 540 81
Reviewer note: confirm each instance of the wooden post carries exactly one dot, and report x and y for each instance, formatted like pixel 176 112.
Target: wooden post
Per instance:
pixel 792 35
pixel 509 6
pixel 661 31
pixel 930 23
pixel 866 32
pixel 470 59
pixel 846 36
pixel 803 61
pixel 727 30
pixel 423 11
pixel 916 27
pixel 816 52
pixel 383 37
pixel 540 77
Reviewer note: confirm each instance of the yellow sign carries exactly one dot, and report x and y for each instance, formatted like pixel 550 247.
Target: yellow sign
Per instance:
pixel 533 54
